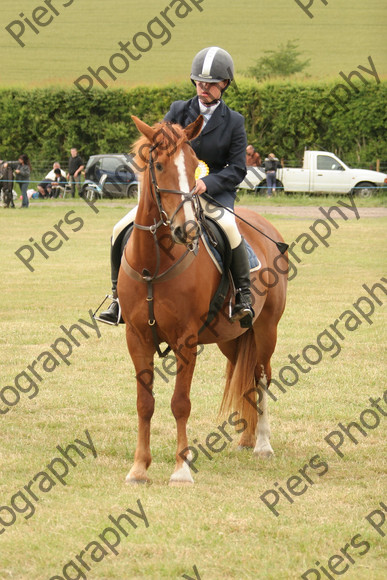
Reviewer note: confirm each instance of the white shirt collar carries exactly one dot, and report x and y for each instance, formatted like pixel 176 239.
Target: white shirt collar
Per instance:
pixel 208 111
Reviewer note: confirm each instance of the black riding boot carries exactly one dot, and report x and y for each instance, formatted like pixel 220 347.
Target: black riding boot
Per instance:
pixel 240 270
pixel 111 314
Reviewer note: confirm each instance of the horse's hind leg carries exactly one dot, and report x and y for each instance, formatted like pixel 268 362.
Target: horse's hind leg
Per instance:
pixel 257 433
pixel 263 448
pixel 265 332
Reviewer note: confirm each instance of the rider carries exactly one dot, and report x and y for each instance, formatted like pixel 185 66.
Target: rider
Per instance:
pixel 222 146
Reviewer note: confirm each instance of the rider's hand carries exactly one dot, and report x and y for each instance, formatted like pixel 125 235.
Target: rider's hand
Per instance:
pixel 200 187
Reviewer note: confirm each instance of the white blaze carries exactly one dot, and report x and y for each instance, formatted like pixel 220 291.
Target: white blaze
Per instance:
pixel 183 186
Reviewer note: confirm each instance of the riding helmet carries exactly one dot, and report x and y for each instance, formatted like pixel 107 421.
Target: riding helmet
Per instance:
pixel 212 65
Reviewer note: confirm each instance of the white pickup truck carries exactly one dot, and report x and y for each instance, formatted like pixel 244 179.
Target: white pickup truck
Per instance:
pixel 322 172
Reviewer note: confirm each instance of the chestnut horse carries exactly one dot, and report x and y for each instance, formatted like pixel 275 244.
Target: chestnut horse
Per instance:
pixel 165 286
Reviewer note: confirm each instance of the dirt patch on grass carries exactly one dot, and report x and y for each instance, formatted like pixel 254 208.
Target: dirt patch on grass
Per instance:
pixel 314 212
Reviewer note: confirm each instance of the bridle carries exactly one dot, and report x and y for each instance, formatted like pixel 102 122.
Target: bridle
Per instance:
pixel 164 220
pixel 181 263
pixel 156 190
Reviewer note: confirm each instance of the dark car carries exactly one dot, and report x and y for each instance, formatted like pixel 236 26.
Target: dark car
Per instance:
pixel 110 176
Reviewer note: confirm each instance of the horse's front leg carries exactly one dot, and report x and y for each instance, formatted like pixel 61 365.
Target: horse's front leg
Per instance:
pixel 181 408
pixel 143 364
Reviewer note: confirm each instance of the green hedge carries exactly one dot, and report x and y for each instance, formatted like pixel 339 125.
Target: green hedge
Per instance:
pixel 283 117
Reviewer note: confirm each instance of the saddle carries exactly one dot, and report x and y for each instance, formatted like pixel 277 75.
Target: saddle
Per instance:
pixel 216 243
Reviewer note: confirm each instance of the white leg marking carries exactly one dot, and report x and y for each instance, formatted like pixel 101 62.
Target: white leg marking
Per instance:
pixel 184 473
pixel 262 445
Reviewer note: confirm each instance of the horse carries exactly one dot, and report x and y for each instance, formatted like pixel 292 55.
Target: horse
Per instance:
pixel 6 184
pixel 165 285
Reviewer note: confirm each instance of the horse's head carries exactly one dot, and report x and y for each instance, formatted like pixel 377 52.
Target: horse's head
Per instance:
pixel 167 163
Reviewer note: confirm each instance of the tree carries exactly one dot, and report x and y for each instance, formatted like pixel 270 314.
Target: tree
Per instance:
pixel 282 62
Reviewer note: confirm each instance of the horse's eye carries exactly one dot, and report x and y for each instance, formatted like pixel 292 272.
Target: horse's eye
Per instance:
pixel 159 167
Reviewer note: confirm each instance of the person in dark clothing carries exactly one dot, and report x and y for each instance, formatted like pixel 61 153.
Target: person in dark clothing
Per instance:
pixel 271 166
pixel 22 169
pixel 6 184
pixel 222 146
pixel 58 184
pixel 44 187
pixel 75 167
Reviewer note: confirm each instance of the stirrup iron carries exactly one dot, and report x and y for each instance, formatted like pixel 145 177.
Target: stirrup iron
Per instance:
pixel 112 299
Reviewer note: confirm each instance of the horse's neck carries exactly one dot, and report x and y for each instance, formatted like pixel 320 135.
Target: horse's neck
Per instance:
pixel 142 251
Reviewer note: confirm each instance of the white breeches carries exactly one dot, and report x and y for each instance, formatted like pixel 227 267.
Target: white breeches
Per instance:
pixel 125 221
pixel 225 219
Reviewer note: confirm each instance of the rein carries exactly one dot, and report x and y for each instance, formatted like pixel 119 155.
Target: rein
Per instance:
pixel 177 267
pixel 280 245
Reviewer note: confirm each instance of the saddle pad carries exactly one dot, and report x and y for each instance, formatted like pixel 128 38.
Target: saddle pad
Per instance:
pixel 255 264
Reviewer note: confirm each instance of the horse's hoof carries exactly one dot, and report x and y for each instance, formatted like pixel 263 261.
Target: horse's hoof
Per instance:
pixel 264 454
pixel 173 483
pixel 138 481
pixel 243 447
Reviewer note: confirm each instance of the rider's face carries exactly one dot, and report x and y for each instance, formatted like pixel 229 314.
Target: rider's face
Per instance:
pixel 208 92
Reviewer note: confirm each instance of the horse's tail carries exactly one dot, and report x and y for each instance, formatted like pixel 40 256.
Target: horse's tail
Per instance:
pixel 240 392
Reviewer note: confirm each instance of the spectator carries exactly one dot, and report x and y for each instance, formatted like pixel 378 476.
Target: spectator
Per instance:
pixel 6 184
pixel 22 169
pixel 271 166
pixel 44 186
pixel 75 167
pixel 58 185
pixel 253 158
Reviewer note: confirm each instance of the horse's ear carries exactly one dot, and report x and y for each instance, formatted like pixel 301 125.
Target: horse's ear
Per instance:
pixel 194 128
pixel 149 132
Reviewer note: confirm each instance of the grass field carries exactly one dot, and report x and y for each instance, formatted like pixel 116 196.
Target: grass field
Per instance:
pixel 220 525
pixel 340 36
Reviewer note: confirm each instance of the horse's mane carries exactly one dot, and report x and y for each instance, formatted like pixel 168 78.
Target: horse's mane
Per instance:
pixel 169 139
